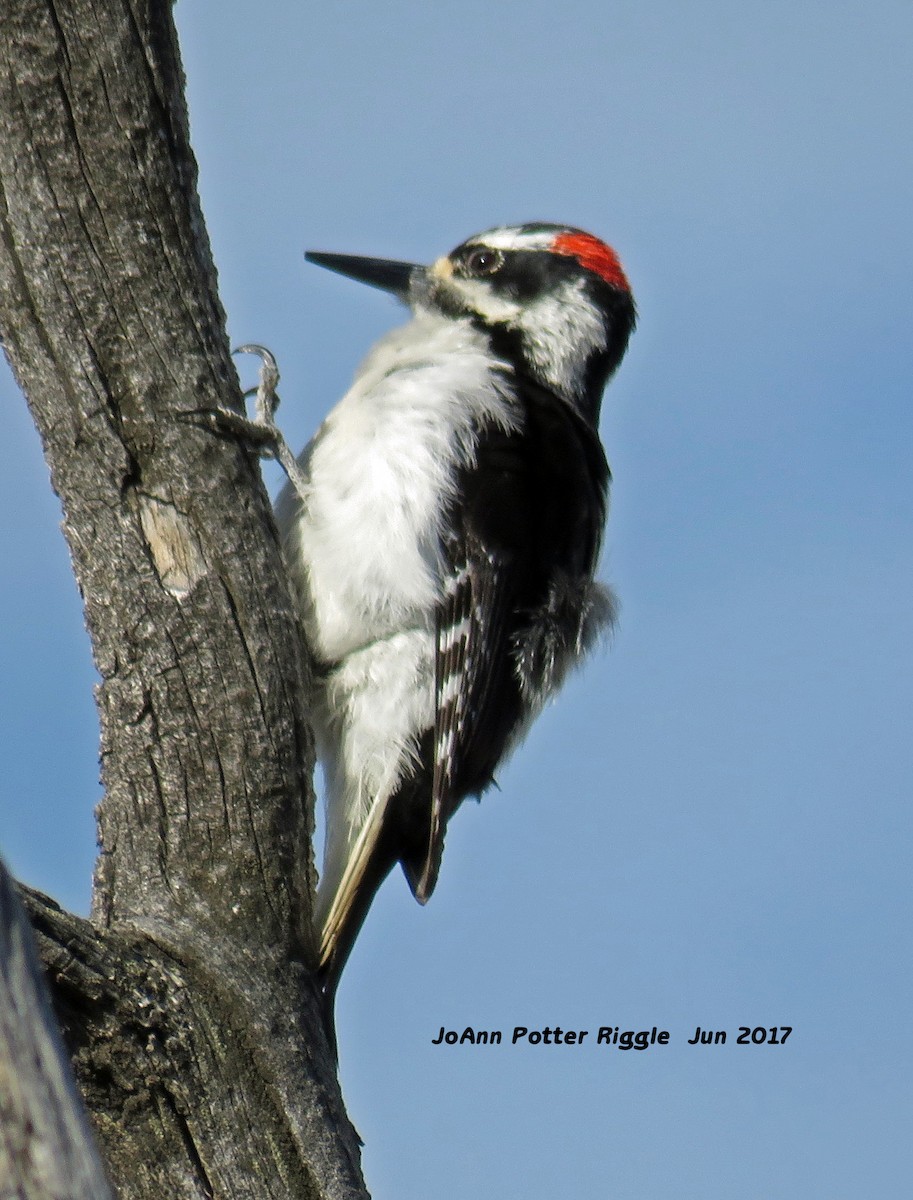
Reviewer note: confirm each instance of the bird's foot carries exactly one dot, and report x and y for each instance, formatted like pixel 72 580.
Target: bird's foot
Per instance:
pixel 261 432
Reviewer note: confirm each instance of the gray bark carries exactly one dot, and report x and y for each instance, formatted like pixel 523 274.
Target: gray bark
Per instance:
pixel 46 1147
pixel 187 1001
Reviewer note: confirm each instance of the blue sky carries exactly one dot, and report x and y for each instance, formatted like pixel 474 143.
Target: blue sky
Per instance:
pixel 712 825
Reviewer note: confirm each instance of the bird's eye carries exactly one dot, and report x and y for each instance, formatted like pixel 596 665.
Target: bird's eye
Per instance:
pixel 483 261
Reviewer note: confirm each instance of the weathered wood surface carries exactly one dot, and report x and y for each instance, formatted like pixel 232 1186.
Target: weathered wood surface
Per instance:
pixel 187 1002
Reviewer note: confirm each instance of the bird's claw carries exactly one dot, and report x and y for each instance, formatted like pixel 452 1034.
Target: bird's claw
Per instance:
pixel 263 431
pixel 267 397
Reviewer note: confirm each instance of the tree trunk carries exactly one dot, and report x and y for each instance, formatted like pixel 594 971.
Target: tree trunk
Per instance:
pixel 187 1001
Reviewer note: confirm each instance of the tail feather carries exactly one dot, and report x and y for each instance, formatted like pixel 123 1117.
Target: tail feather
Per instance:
pixel 343 880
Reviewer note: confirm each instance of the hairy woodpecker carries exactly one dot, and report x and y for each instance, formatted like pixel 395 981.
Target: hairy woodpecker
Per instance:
pixel 444 548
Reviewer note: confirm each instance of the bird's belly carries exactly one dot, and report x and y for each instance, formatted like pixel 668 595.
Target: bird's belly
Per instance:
pixel 371 711
pixel 370 544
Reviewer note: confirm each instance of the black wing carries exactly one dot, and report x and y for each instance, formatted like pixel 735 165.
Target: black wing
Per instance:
pixel 530 508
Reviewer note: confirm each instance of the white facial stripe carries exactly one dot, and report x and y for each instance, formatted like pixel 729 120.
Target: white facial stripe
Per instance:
pixel 559 333
pixel 480 298
pixel 510 238
pixel 559 330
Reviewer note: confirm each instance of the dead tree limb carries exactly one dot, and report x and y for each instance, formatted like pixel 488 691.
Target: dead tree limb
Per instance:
pixel 46 1147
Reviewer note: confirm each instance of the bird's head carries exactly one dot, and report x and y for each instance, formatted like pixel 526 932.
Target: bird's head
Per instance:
pixel 554 300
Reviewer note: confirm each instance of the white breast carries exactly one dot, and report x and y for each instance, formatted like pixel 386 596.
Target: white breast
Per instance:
pixel 366 546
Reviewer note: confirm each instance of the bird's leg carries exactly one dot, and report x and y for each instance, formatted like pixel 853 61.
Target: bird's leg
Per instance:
pixel 264 422
pixel 261 432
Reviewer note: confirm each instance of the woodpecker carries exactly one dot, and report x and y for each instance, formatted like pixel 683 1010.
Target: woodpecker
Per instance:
pixel 444 544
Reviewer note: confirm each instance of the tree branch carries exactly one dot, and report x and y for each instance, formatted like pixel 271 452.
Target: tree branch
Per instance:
pixel 46 1146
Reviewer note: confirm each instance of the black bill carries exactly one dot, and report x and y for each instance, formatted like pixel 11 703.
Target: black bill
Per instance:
pixel 382 273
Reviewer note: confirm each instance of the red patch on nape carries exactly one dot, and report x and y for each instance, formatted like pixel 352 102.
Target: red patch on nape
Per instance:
pixel 595 255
